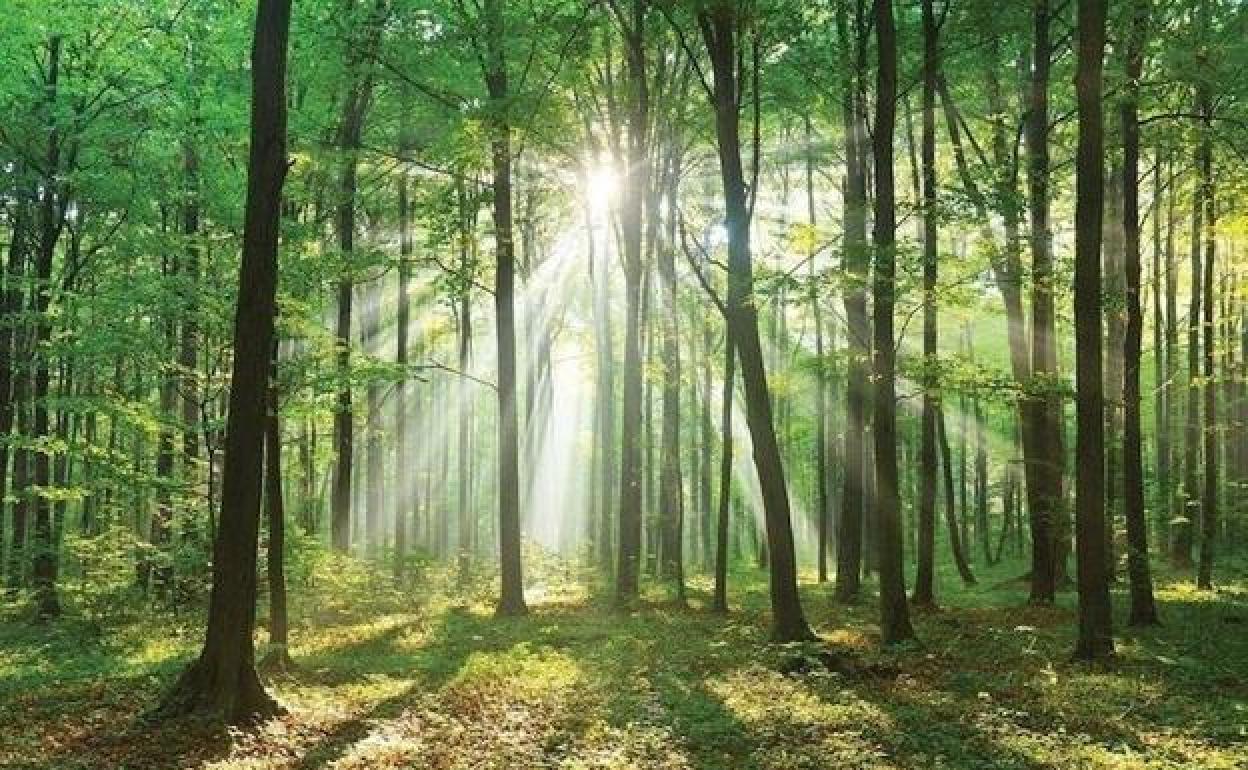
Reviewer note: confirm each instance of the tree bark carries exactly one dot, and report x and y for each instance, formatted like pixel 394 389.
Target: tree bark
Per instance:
pixel 1095 639
pixel 223 680
pixel 719 25
pixel 511 597
pixel 1143 609
pixel 849 534
pixel 894 615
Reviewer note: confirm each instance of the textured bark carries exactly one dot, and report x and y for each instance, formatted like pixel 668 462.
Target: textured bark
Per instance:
pixel 719 25
pixel 894 614
pixel 849 534
pixel 924 581
pixel 630 502
pixel 1043 409
pixel 1095 639
pixel 223 680
pixel 511 598
pixel 1114 308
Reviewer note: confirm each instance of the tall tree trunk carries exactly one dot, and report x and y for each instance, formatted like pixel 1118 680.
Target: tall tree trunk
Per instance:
pixel 12 365
pixel 405 476
pixel 822 507
pixel 1143 610
pixel 511 597
pixel 275 512
pixel 1184 524
pixel 924 589
pixel 465 546
pixel 631 492
pixel 849 534
pixel 1095 639
pixel 1044 407
pixel 188 340
pixel 1112 251
pixel 1209 502
pixel 223 680
pixel 374 493
pixel 720 602
pixel 52 212
pixel 719 25
pixel 672 498
pixel 1161 356
pixel 894 614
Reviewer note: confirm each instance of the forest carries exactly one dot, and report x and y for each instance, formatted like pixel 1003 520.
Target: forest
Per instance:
pixel 657 384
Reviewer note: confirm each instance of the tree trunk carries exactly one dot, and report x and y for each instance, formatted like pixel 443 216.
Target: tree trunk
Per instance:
pixel 405 477
pixel 719 26
pixel 956 542
pixel 223 680
pixel 1095 639
pixel 720 603
pixel 924 589
pixel 894 614
pixel 275 511
pixel 1209 502
pixel 631 492
pixel 52 211
pixel 672 498
pixel 511 598
pixel 849 534
pixel 1143 609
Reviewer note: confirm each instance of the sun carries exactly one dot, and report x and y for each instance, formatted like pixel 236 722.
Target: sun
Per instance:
pixel 601 184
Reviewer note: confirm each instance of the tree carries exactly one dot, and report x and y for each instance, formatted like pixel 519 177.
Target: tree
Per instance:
pixel 894 615
pixel 719 22
pixel 223 680
pixel 924 594
pixel 1095 639
pixel 858 327
pixel 511 598
pixel 1043 409
pixel 1143 610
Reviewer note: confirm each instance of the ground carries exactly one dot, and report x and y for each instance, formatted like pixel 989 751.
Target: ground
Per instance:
pixel 577 685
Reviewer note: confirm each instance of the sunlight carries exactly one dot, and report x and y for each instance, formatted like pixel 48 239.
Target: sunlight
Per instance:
pixel 602 182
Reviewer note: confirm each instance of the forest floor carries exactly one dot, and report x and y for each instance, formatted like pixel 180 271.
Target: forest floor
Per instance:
pixel 576 685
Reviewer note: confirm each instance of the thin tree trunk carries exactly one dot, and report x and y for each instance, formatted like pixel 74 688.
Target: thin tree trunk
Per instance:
pixel 511 598
pixel 275 511
pixel 720 603
pixel 1143 609
pixel 849 534
pixel 924 582
pixel 719 25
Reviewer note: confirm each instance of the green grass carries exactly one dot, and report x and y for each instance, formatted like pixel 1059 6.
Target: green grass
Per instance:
pixel 430 683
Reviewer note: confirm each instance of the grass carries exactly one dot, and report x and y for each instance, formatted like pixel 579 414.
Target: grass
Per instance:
pixel 426 682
